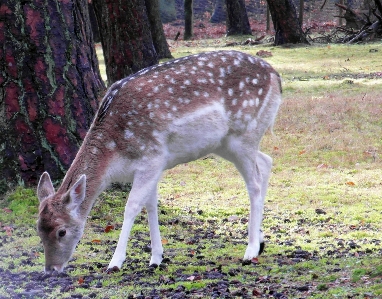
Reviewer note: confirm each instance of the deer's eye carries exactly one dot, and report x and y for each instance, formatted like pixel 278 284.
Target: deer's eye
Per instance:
pixel 61 232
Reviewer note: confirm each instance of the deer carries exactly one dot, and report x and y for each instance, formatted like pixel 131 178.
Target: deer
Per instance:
pixel 219 102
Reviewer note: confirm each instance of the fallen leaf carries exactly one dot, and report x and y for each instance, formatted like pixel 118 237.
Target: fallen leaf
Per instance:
pixel 322 166
pixel 350 183
pixel 302 152
pixel 8 230
pixel 109 228
pixel 96 241
pixel 164 241
pixel 81 280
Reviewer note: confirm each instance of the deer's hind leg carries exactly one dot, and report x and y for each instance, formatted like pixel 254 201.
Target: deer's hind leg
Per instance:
pixel 255 167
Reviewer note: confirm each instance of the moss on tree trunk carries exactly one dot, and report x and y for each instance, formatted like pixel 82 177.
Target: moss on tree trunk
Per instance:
pixel 50 82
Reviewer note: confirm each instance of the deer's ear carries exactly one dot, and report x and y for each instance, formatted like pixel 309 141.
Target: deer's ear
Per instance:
pixel 45 187
pixel 77 192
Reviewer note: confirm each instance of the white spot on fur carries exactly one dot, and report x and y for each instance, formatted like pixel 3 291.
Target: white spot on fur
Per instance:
pixel 128 134
pixel 170 90
pixel 251 103
pixel 222 72
pixel 206 94
pixel 210 64
pixel 94 150
pixel 110 145
pixel 156 89
pixel 202 80
pixel 241 85
pixel 187 82
pixel 257 102
pixel 260 92
pixel 238 114
pixel 234 102
pixel 197 93
pixel 245 103
pixel 255 81
pixel 230 92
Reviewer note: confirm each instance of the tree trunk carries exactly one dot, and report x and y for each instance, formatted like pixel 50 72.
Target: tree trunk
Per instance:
pixel 49 83
pixel 188 19
pixel 219 14
pixel 94 24
pixel 285 22
pixel 237 18
pixel 126 38
pixel 156 27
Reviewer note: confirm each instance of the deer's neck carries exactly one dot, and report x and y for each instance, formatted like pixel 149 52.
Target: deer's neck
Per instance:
pixel 94 163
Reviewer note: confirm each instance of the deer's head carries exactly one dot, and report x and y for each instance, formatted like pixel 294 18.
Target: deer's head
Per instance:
pixel 60 224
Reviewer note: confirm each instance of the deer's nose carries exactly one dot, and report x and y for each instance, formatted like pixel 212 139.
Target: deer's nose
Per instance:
pixel 51 268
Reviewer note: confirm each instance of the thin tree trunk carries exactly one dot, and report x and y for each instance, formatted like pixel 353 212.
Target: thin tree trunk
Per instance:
pixel 237 18
pixel 188 19
pixel 285 22
pixel 156 27
pixel 126 37
pixel 49 87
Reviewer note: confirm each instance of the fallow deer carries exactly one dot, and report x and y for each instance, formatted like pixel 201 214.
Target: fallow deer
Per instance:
pixel 219 102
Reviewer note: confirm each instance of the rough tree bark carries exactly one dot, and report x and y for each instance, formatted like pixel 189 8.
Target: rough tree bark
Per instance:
pixel 285 22
pixel 156 27
pixel 49 83
pixel 237 18
pixel 126 37
pixel 188 19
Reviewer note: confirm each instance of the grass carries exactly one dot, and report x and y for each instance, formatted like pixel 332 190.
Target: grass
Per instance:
pixel 326 148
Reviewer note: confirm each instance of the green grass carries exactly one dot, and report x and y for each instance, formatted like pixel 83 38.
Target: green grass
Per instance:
pixel 326 149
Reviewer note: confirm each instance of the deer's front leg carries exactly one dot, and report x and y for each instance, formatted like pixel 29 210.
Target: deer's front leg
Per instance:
pixel 143 192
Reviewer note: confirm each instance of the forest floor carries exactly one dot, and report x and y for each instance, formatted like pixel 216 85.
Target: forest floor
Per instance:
pixel 322 217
